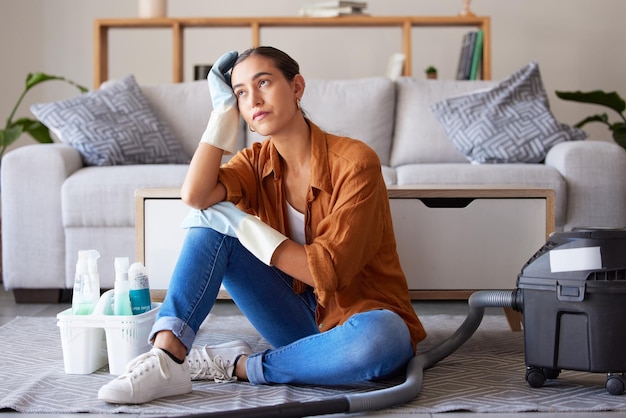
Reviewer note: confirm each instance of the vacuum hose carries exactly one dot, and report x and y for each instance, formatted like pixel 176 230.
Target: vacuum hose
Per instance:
pixel 395 395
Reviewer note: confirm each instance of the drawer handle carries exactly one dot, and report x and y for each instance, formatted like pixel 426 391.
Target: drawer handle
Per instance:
pixel 446 202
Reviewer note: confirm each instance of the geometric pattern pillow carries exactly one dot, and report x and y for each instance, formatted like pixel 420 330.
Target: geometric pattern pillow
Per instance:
pixel 112 126
pixel 509 123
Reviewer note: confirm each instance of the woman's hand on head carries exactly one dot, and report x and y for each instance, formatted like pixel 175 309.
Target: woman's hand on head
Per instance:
pixel 221 131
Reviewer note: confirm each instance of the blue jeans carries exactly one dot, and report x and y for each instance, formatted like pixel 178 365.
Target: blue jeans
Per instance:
pixel 370 345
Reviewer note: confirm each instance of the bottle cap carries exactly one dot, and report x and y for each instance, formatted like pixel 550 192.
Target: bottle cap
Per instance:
pixel 121 268
pixel 92 260
pixel 137 269
pixel 81 264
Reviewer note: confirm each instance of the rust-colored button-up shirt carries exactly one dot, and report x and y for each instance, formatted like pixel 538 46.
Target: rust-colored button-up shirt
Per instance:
pixel 350 243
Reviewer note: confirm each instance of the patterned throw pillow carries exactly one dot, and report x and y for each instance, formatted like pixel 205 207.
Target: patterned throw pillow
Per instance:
pixel 112 126
pixel 509 123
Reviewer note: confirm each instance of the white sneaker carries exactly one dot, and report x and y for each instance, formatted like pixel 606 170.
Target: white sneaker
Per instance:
pixel 216 362
pixel 149 376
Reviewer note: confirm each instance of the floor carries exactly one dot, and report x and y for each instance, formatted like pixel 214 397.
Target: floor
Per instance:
pixel 9 310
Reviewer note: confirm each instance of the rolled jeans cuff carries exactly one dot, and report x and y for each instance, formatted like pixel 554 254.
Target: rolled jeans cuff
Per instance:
pixel 180 329
pixel 254 368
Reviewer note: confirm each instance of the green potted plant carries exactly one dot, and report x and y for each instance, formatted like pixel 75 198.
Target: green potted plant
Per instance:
pixel 611 100
pixel 431 73
pixel 13 129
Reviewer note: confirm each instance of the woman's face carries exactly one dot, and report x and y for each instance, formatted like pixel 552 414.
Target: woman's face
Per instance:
pixel 266 100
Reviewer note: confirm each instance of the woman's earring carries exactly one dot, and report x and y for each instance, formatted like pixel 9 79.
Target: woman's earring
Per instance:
pixel 250 128
pixel 298 104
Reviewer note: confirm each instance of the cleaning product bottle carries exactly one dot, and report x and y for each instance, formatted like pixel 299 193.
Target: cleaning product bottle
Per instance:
pixel 105 304
pixel 121 296
pixel 86 283
pixel 139 289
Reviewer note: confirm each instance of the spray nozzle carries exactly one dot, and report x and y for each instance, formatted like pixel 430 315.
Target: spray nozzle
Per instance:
pixel 87 261
pixel 121 268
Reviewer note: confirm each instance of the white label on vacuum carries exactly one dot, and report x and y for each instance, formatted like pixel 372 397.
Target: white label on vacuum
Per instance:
pixel 575 259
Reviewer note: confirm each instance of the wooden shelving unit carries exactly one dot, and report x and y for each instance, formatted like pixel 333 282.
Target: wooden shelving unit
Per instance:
pixel 256 24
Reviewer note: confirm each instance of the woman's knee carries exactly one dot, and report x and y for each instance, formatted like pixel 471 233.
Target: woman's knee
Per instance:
pixel 384 342
pixel 384 326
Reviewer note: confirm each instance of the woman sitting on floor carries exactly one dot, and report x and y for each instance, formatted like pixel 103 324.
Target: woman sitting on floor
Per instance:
pixel 308 254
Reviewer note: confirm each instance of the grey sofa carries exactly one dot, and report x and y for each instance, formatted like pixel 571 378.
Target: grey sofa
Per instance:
pixel 53 206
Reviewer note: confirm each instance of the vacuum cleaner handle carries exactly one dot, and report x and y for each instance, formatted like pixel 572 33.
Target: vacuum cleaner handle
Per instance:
pixel 395 395
pixel 286 410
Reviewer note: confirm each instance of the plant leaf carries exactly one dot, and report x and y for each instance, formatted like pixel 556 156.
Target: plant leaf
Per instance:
pixel 37 130
pixel 595 118
pixel 40 133
pixel 619 134
pixel 32 79
pixel 611 100
pixel 9 135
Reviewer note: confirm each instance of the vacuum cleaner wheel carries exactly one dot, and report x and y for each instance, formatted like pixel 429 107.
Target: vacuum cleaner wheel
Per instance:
pixel 615 383
pixel 537 376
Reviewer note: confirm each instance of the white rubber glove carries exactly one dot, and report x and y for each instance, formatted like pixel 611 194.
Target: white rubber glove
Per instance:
pixel 221 131
pixel 224 217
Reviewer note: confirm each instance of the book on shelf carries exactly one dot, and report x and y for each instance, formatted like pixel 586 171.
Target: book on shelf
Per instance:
pixel 462 56
pixel 477 55
pixel 333 9
pixel 465 57
pixel 479 70
pixel 469 65
pixel 325 4
pixel 331 12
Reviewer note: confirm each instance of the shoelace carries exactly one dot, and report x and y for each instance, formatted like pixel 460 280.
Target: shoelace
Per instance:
pixel 202 367
pixel 145 362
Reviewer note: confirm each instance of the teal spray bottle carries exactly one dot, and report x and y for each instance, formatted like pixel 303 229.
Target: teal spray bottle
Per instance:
pixel 121 295
pixel 86 283
pixel 139 289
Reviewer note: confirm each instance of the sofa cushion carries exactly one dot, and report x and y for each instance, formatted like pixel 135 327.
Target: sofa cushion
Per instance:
pixel 105 196
pixel 112 126
pixel 509 123
pixel 359 108
pixel 418 136
pixel 525 175
pixel 186 108
pixel 389 175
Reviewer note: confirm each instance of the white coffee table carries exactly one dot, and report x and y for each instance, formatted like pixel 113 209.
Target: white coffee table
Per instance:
pixel 452 240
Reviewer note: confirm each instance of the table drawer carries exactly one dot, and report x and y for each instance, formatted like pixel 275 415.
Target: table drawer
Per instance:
pixel 466 243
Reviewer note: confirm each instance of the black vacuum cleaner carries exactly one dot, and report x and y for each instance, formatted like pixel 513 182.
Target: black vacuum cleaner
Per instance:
pixel 572 293
pixel 574 304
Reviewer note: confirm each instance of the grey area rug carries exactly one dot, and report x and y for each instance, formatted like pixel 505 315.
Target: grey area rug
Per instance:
pixel 485 375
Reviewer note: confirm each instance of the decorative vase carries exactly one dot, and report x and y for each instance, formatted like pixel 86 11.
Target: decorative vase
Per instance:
pixel 466 9
pixel 152 8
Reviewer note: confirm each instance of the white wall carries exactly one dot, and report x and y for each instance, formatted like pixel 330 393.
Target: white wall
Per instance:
pixel 577 43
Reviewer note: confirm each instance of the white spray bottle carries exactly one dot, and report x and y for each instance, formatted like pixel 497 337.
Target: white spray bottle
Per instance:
pixel 86 283
pixel 139 289
pixel 121 296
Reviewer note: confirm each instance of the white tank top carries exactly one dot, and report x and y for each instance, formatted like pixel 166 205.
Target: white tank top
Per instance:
pixel 296 224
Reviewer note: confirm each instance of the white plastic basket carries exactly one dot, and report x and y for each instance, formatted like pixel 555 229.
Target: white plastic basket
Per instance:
pixel 88 341
pixel 127 337
pixel 83 342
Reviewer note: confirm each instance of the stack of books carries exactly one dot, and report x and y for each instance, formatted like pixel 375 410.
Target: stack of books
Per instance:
pixel 334 8
pixel 470 59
